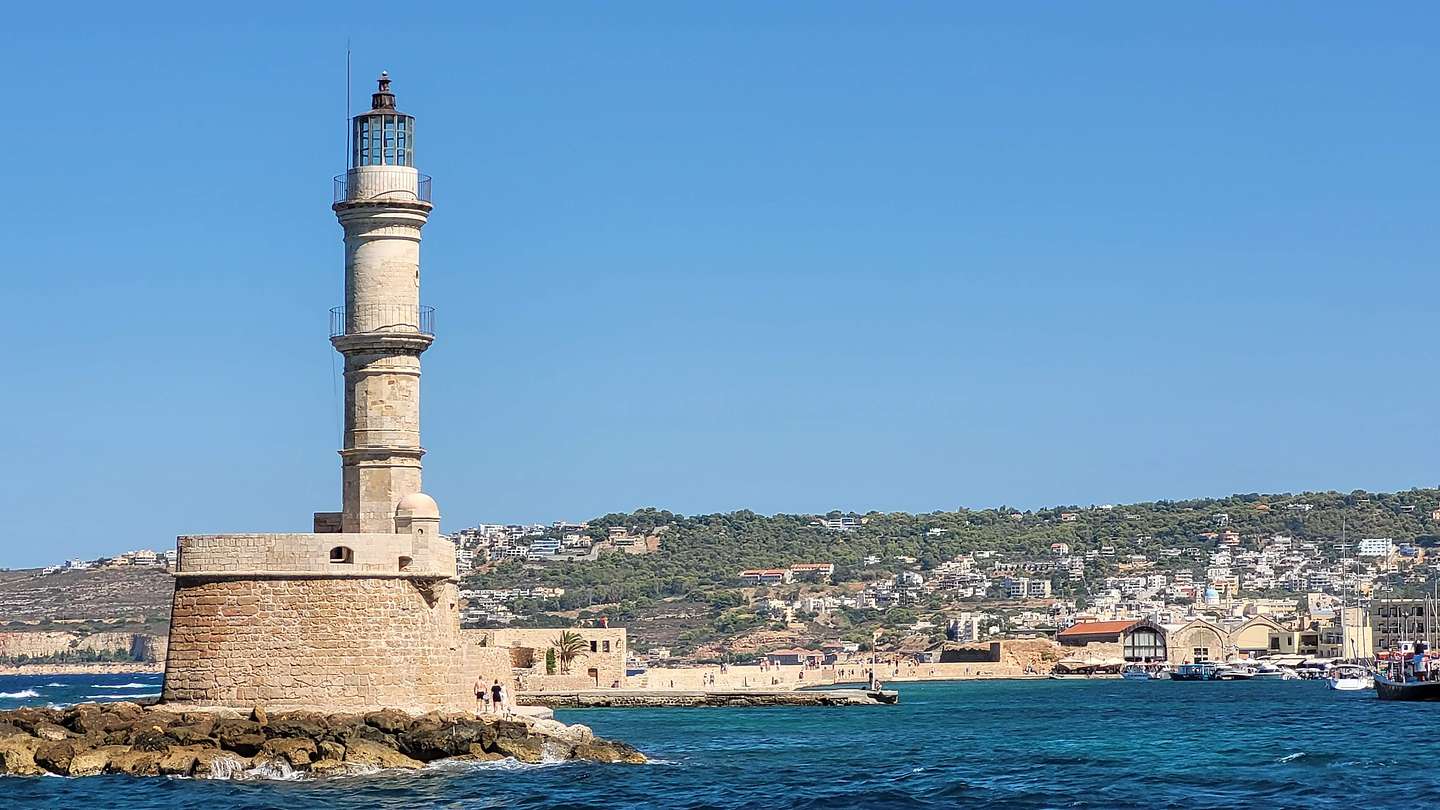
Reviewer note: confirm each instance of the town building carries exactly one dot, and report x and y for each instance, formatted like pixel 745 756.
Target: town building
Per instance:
pixel 1140 640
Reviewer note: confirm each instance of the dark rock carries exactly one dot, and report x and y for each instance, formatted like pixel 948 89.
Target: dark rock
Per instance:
pixel 523 749
pixel 297 724
pixel 330 750
pixel 27 718
pixel 244 737
pixel 180 761
pixel 608 751
pixel 295 750
pixel 50 731
pixel 149 738
pixel 135 763
pixel 259 715
pixel 94 760
pixel 55 757
pixel 390 721
pixel 218 764
pixel 189 735
pixel 203 722
pixel 428 741
pixel 368 754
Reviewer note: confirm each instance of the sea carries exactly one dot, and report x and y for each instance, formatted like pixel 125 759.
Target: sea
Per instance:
pixel 983 744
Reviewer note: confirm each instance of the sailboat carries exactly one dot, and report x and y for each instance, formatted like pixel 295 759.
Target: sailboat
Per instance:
pixel 1345 677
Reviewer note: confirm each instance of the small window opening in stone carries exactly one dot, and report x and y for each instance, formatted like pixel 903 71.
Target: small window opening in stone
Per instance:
pixel 593 647
pixel 605 646
pixel 341 554
pixel 405 563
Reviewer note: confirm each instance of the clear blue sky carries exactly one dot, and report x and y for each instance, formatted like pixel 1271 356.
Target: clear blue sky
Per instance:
pixel 777 256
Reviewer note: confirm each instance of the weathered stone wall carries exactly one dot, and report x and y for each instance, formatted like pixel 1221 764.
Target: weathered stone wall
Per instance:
pixel 273 553
pixel 338 643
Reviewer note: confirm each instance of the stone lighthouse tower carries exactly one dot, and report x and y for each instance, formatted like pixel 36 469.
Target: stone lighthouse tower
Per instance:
pixel 382 203
pixel 361 612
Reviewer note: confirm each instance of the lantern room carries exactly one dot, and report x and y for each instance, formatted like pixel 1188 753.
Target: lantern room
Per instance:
pixel 384 136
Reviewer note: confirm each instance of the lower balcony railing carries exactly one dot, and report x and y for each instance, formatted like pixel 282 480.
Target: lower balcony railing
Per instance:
pixel 368 318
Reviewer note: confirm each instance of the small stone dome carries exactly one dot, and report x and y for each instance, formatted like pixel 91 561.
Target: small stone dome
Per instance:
pixel 418 505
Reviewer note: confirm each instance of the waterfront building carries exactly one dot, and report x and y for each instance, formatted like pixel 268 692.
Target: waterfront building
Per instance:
pixel 1197 641
pixel 1140 641
pixel 1399 623
pixel 1258 636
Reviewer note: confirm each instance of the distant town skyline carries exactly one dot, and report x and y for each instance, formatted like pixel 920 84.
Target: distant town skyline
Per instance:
pixel 825 256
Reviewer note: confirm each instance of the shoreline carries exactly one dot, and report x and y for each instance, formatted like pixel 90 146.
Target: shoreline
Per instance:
pixel 122 668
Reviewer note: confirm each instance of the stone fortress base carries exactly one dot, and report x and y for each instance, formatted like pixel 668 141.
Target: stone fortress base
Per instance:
pixel 334 620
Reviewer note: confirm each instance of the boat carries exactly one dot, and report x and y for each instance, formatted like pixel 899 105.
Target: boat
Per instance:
pixel 1271 672
pixel 1353 678
pixel 1235 673
pixel 1203 671
pixel 1135 672
pixel 1160 673
pixel 1387 689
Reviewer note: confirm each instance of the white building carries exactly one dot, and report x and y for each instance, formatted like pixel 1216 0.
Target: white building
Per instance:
pixel 1375 547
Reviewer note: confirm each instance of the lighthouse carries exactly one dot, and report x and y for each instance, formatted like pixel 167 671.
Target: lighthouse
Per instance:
pixel 362 612
pixel 382 203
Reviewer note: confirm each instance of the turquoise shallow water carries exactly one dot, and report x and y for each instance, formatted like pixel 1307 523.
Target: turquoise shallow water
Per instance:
pixel 1095 744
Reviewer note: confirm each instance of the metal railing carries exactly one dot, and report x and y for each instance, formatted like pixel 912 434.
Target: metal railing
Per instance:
pixel 369 318
pixel 358 186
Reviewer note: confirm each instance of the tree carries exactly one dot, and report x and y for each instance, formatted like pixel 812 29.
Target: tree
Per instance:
pixel 550 661
pixel 568 647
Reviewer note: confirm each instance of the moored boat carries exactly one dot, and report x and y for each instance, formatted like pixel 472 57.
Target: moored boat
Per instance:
pixel 1387 689
pixel 1203 671
pixel 1350 678
pixel 1135 672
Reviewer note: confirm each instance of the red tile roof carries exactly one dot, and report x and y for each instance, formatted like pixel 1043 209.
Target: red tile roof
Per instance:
pixel 1094 628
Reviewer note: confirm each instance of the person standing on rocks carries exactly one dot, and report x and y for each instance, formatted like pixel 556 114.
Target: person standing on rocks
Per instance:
pixel 497 697
pixel 482 694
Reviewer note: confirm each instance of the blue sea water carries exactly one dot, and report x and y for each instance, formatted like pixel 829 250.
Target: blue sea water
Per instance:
pixel 1000 744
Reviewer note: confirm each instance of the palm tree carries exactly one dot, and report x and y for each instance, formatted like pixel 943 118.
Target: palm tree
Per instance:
pixel 569 646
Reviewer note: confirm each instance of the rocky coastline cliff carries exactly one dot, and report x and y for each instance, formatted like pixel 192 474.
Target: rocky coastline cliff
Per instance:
pixel 95 738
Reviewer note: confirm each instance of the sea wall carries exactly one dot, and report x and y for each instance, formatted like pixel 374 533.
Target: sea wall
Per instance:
pixel 636 698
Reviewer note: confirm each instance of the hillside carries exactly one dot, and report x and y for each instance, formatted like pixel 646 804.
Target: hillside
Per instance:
pixel 128 599
pixel 705 551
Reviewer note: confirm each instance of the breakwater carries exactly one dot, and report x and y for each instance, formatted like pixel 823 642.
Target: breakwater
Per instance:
pixel 125 737
pixel 636 698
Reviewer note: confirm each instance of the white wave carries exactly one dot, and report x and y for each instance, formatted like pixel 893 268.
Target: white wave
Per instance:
pixel 1291 757
pixel 276 770
pixel 506 764
pixel 56 683
pixel 23 693
pixel 134 685
pixel 123 697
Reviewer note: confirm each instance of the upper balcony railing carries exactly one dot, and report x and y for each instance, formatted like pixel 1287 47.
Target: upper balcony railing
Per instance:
pixel 373 183
pixel 371 318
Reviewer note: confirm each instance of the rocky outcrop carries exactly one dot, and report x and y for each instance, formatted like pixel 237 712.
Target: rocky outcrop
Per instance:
pixel 127 738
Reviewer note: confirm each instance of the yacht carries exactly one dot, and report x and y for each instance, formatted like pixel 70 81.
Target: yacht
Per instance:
pixel 1271 672
pixel 1135 672
pixel 1203 671
pixel 1350 678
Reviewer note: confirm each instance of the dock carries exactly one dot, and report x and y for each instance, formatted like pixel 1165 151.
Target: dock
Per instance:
pixel 664 698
